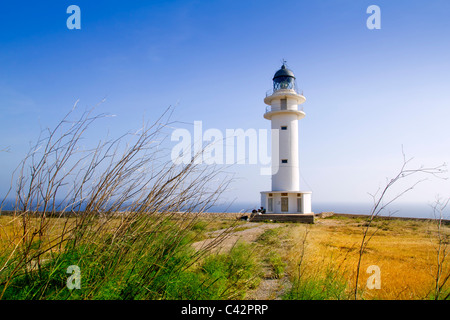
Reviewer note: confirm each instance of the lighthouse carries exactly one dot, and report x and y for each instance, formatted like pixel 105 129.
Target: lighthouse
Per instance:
pixel 284 110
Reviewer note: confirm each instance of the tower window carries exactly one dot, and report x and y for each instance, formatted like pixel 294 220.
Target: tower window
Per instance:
pixel 283 104
pixel 283 127
pixel 284 161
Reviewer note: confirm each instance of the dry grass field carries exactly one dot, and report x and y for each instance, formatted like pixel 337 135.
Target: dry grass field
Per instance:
pixel 404 251
pixel 323 255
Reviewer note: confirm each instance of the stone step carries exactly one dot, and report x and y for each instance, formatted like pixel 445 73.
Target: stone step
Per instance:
pixel 300 218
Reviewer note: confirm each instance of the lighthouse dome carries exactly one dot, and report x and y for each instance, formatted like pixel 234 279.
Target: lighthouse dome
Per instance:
pixel 283 79
pixel 283 72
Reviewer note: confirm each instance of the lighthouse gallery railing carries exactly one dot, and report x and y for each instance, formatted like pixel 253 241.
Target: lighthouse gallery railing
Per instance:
pixel 275 108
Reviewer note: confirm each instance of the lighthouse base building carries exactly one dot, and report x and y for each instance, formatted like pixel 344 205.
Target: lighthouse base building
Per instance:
pixel 296 202
pixel 284 111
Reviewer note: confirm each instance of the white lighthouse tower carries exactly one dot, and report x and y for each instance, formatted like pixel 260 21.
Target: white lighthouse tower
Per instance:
pixel 284 111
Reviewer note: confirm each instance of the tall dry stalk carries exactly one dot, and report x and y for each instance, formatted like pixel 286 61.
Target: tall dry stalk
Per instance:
pixel 121 200
pixel 442 273
pixel 381 202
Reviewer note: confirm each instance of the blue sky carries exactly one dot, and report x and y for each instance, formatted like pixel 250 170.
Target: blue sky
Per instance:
pixel 368 91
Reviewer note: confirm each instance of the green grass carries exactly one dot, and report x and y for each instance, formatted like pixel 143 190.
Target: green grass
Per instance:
pixel 270 237
pixel 327 285
pixel 149 259
pixel 152 258
pixel 276 263
pixel 232 274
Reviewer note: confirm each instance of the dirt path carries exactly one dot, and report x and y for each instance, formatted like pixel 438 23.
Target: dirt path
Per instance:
pixel 270 288
pixel 249 234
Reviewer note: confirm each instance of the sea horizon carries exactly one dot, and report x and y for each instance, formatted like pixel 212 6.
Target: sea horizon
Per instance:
pixel 404 210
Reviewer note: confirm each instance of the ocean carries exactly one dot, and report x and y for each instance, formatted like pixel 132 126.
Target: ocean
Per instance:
pixel 409 210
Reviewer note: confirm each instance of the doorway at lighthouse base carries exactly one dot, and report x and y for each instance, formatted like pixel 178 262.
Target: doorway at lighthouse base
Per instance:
pixel 286 202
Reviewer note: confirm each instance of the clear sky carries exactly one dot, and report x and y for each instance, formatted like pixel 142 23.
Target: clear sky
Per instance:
pixel 368 91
